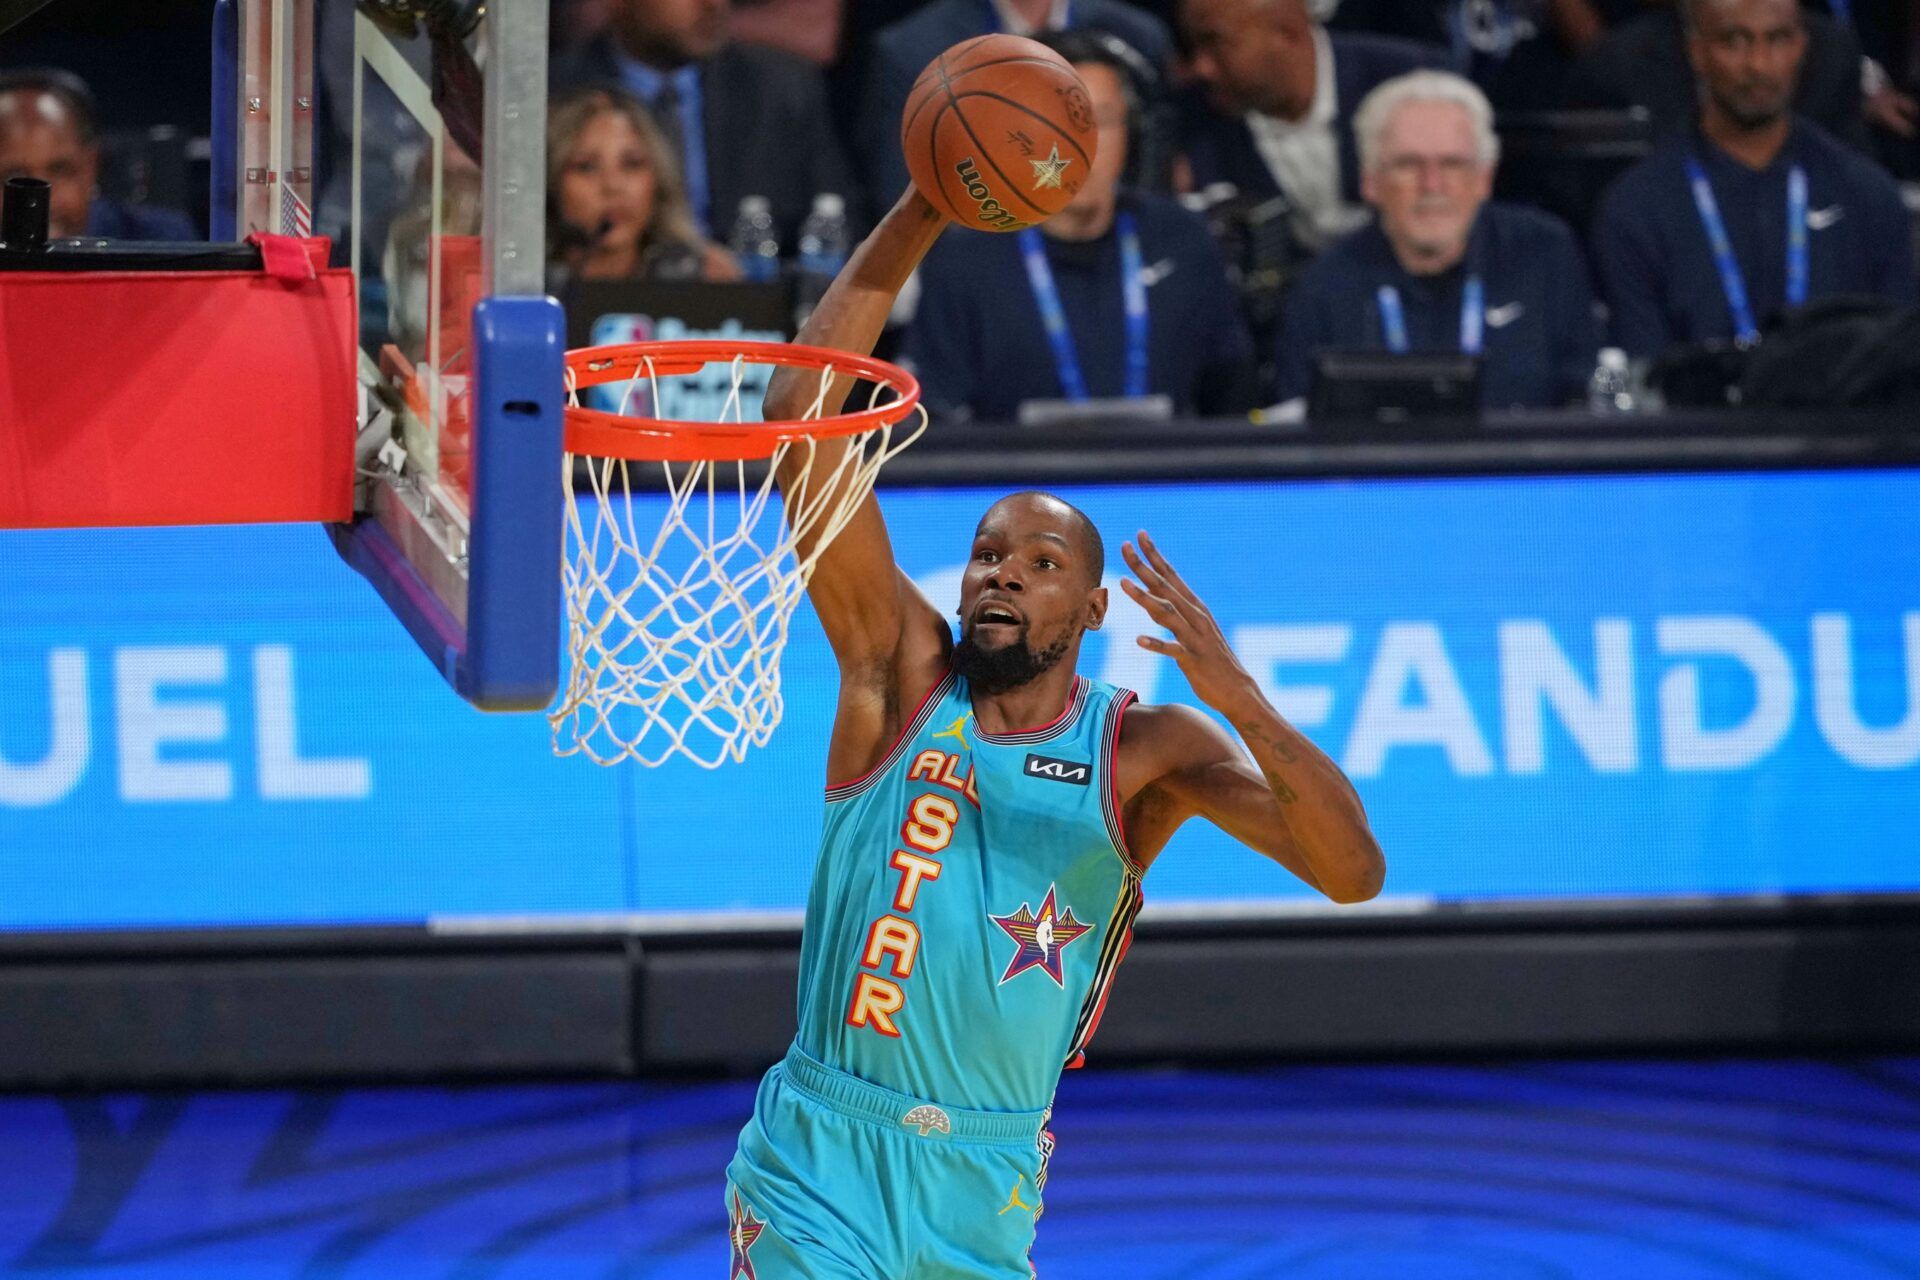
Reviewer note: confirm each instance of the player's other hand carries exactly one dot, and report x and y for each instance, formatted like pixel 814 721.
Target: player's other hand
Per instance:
pixel 1197 642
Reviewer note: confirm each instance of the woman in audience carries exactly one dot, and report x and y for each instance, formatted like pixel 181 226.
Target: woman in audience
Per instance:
pixel 617 205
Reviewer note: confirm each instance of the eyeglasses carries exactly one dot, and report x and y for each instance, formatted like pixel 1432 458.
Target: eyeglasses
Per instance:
pixel 1411 168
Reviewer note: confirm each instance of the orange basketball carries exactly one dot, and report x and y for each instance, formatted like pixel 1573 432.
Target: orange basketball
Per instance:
pixel 998 133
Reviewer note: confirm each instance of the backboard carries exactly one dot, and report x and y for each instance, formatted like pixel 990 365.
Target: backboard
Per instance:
pixel 412 132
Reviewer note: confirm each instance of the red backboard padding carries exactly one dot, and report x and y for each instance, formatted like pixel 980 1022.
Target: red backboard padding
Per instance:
pixel 141 398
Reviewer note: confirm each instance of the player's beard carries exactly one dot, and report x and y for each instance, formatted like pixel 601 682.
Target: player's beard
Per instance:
pixel 1008 667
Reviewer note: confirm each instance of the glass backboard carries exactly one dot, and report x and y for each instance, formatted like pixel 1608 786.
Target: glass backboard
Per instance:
pixel 412 132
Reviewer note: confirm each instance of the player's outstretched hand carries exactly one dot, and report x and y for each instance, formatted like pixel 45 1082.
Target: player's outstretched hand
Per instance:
pixel 1198 645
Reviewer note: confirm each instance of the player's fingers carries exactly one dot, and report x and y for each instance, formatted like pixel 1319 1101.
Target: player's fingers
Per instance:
pixel 1138 563
pixel 1166 648
pixel 1148 578
pixel 1159 609
pixel 1164 568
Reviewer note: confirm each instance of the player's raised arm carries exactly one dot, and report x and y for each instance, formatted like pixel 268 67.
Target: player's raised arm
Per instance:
pixel 856 588
pixel 1296 806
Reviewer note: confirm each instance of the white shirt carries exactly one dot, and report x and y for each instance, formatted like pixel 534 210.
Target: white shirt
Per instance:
pixel 1304 157
pixel 1014 24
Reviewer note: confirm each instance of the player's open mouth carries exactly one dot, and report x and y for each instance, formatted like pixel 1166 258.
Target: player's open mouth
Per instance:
pixel 995 615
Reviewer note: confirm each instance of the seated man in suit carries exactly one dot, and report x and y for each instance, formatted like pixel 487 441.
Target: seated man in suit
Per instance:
pixel 743 119
pixel 1122 293
pixel 1282 92
pixel 1796 214
pixel 1442 268
pixel 903 49
pixel 48 130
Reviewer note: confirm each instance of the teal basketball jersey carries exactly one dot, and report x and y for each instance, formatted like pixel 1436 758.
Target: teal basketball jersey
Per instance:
pixel 973 899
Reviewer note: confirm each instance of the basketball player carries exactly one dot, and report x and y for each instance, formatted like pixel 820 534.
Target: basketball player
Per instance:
pixel 989 816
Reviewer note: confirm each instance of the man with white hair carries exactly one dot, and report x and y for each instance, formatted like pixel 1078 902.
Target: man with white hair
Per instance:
pixel 1441 268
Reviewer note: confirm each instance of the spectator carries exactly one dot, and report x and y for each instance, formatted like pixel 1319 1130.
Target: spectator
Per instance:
pixel 48 130
pixel 904 48
pixel 1283 92
pixel 1648 62
pixel 1136 291
pixel 1519 51
pixel 1890 77
pixel 1442 268
pixel 1750 161
pixel 617 205
pixel 742 119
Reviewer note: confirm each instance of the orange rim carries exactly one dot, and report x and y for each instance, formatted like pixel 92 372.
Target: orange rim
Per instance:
pixel 595 433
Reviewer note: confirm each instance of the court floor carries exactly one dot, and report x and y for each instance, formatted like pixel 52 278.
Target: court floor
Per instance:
pixel 1786 1169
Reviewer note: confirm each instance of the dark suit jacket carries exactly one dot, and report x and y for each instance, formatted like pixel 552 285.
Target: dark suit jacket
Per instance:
pixel 112 220
pixel 902 50
pixel 1221 148
pixel 768 132
pixel 1643 63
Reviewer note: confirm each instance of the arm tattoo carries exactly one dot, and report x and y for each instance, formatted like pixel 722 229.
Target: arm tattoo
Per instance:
pixel 1282 752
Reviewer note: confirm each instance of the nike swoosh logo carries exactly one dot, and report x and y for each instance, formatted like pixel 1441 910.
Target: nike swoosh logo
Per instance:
pixel 1821 219
pixel 1155 273
pixel 1501 317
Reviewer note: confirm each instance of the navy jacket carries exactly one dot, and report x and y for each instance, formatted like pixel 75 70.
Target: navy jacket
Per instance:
pixel 1221 148
pixel 1656 265
pixel 902 50
pixel 1541 335
pixel 768 131
pixel 112 220
pixel 978 342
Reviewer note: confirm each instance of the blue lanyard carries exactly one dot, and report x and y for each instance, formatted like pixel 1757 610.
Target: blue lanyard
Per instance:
pixel 1842 10
pixel 1133 290
pixel 1732 283
pixel 1473 318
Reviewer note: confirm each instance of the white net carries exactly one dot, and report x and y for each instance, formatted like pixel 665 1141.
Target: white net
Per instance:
pixel 680 592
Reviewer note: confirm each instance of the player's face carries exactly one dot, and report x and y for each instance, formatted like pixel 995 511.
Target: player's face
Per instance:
pixel 673 32
pixel 38 140
pixel 1253 55
pixel 608 181
pixel 1747 55
pixel 1026 593
pixel 1428 181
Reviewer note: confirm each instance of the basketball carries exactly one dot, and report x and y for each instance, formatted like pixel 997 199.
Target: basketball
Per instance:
pixel 998 133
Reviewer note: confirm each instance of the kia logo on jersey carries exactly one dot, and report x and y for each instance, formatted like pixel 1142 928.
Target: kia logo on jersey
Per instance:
pixel 1077 772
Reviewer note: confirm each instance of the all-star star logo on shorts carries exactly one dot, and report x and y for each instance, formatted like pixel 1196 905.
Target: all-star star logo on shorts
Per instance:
pixel 742 1231
pixel 1042 936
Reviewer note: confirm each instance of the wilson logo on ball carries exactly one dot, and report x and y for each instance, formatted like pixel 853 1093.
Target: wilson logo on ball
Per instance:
pixel 992 212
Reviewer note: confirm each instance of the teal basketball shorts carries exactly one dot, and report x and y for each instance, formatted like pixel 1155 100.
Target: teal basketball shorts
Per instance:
pixel 839 1179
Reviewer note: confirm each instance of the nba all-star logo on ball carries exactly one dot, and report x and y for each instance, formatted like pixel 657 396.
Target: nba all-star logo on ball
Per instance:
pixel 1047 173
pixel 998 132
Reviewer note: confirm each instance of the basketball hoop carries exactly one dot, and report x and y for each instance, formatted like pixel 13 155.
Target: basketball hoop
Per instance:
pixel 674 632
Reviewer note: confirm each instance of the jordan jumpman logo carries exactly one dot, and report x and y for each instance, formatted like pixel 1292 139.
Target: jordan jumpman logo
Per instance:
pixel 1013 1197
pixel 958 729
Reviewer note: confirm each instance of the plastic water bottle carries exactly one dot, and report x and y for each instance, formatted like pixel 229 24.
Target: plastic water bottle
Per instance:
pixel 1610 390
pixel 823 250
pixel 754 242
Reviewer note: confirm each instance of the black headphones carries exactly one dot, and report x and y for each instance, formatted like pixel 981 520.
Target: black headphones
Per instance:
pixel 1149 110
